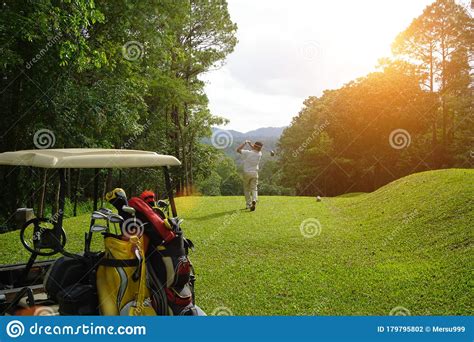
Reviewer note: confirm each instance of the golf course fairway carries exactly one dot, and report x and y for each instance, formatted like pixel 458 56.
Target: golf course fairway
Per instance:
pixel 403 249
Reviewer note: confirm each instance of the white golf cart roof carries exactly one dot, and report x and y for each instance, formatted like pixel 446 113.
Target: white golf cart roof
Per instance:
pixel 86 158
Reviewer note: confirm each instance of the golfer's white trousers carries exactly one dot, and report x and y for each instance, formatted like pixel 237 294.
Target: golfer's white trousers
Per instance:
pixel 250 187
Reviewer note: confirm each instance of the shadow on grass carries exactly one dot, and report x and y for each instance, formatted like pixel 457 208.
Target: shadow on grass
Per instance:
pixel 221 214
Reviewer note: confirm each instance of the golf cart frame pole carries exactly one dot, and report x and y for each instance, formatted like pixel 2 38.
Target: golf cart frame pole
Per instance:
pixel 96 188
pixel 169 190
pixel 58 224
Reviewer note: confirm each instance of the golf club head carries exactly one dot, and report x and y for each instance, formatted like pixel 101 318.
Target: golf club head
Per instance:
pixel 96 228
pixel 115 218
pixel 97 215
pixel 161 204
pixel 128 210
pixel 105 211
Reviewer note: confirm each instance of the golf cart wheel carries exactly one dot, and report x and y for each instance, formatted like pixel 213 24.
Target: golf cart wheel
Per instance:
pixel 37 237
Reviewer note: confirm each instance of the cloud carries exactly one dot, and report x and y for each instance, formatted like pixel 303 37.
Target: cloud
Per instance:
pixel 288 51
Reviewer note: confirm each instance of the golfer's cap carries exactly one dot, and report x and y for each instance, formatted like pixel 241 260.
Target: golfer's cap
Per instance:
pixel 258 143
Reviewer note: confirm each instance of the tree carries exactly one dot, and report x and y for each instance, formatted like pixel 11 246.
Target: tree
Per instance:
pixel 109 74
pixel 204 37
pixel 434 41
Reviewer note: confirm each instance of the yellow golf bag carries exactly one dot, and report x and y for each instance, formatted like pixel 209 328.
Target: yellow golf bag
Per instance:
pixel 121 278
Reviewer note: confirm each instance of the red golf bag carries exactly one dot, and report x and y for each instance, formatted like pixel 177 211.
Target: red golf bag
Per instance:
pixel 170 272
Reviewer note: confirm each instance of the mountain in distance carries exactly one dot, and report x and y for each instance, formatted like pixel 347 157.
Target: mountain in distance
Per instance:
pixel 269 136
pixel 264 132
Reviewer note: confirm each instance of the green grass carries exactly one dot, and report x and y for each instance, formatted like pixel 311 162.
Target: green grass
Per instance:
pixel 409 244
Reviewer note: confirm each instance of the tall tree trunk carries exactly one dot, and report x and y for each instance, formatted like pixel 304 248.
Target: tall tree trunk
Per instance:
pixel 109 181
pixel 69 185
pixel 177 144
pixel 43 193
pixel 31 196
pixel 76 191
pixel 55 208
pixel 443 88
pixel 191 176
pixel 434 109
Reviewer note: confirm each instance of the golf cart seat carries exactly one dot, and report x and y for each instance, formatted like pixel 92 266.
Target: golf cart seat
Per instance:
pixel 70 282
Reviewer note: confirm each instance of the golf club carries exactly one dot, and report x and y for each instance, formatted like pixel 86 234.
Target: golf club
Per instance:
pixel 115 219
pixel 96 215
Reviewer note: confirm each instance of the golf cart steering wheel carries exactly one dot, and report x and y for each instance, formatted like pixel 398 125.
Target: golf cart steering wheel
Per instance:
pixel 41 239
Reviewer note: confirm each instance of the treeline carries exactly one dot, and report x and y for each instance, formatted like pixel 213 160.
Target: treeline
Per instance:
pixel 225 178
pixel 414 113
pixel 112 74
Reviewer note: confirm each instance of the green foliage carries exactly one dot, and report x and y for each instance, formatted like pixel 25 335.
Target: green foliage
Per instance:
pixel 232 185
pixel 273 190
pixel 210 186
pixel 231 181
pixel 111 74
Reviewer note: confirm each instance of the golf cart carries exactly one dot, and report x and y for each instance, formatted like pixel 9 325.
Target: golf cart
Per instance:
pixel 143 268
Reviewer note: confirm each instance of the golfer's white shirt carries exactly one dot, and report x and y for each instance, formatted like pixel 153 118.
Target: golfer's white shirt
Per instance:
pixel 251 160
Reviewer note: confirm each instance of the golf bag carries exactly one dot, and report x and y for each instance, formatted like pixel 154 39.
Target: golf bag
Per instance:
pixel 71 282
pixel 169 268
pixel 121 278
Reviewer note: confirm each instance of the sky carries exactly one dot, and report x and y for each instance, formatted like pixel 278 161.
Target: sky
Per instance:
pixel 290 50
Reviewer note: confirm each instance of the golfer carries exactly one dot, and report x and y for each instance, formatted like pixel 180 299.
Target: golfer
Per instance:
pixel 251 160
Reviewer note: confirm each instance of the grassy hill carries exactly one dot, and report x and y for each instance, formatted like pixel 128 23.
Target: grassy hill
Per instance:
pixel 405 247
